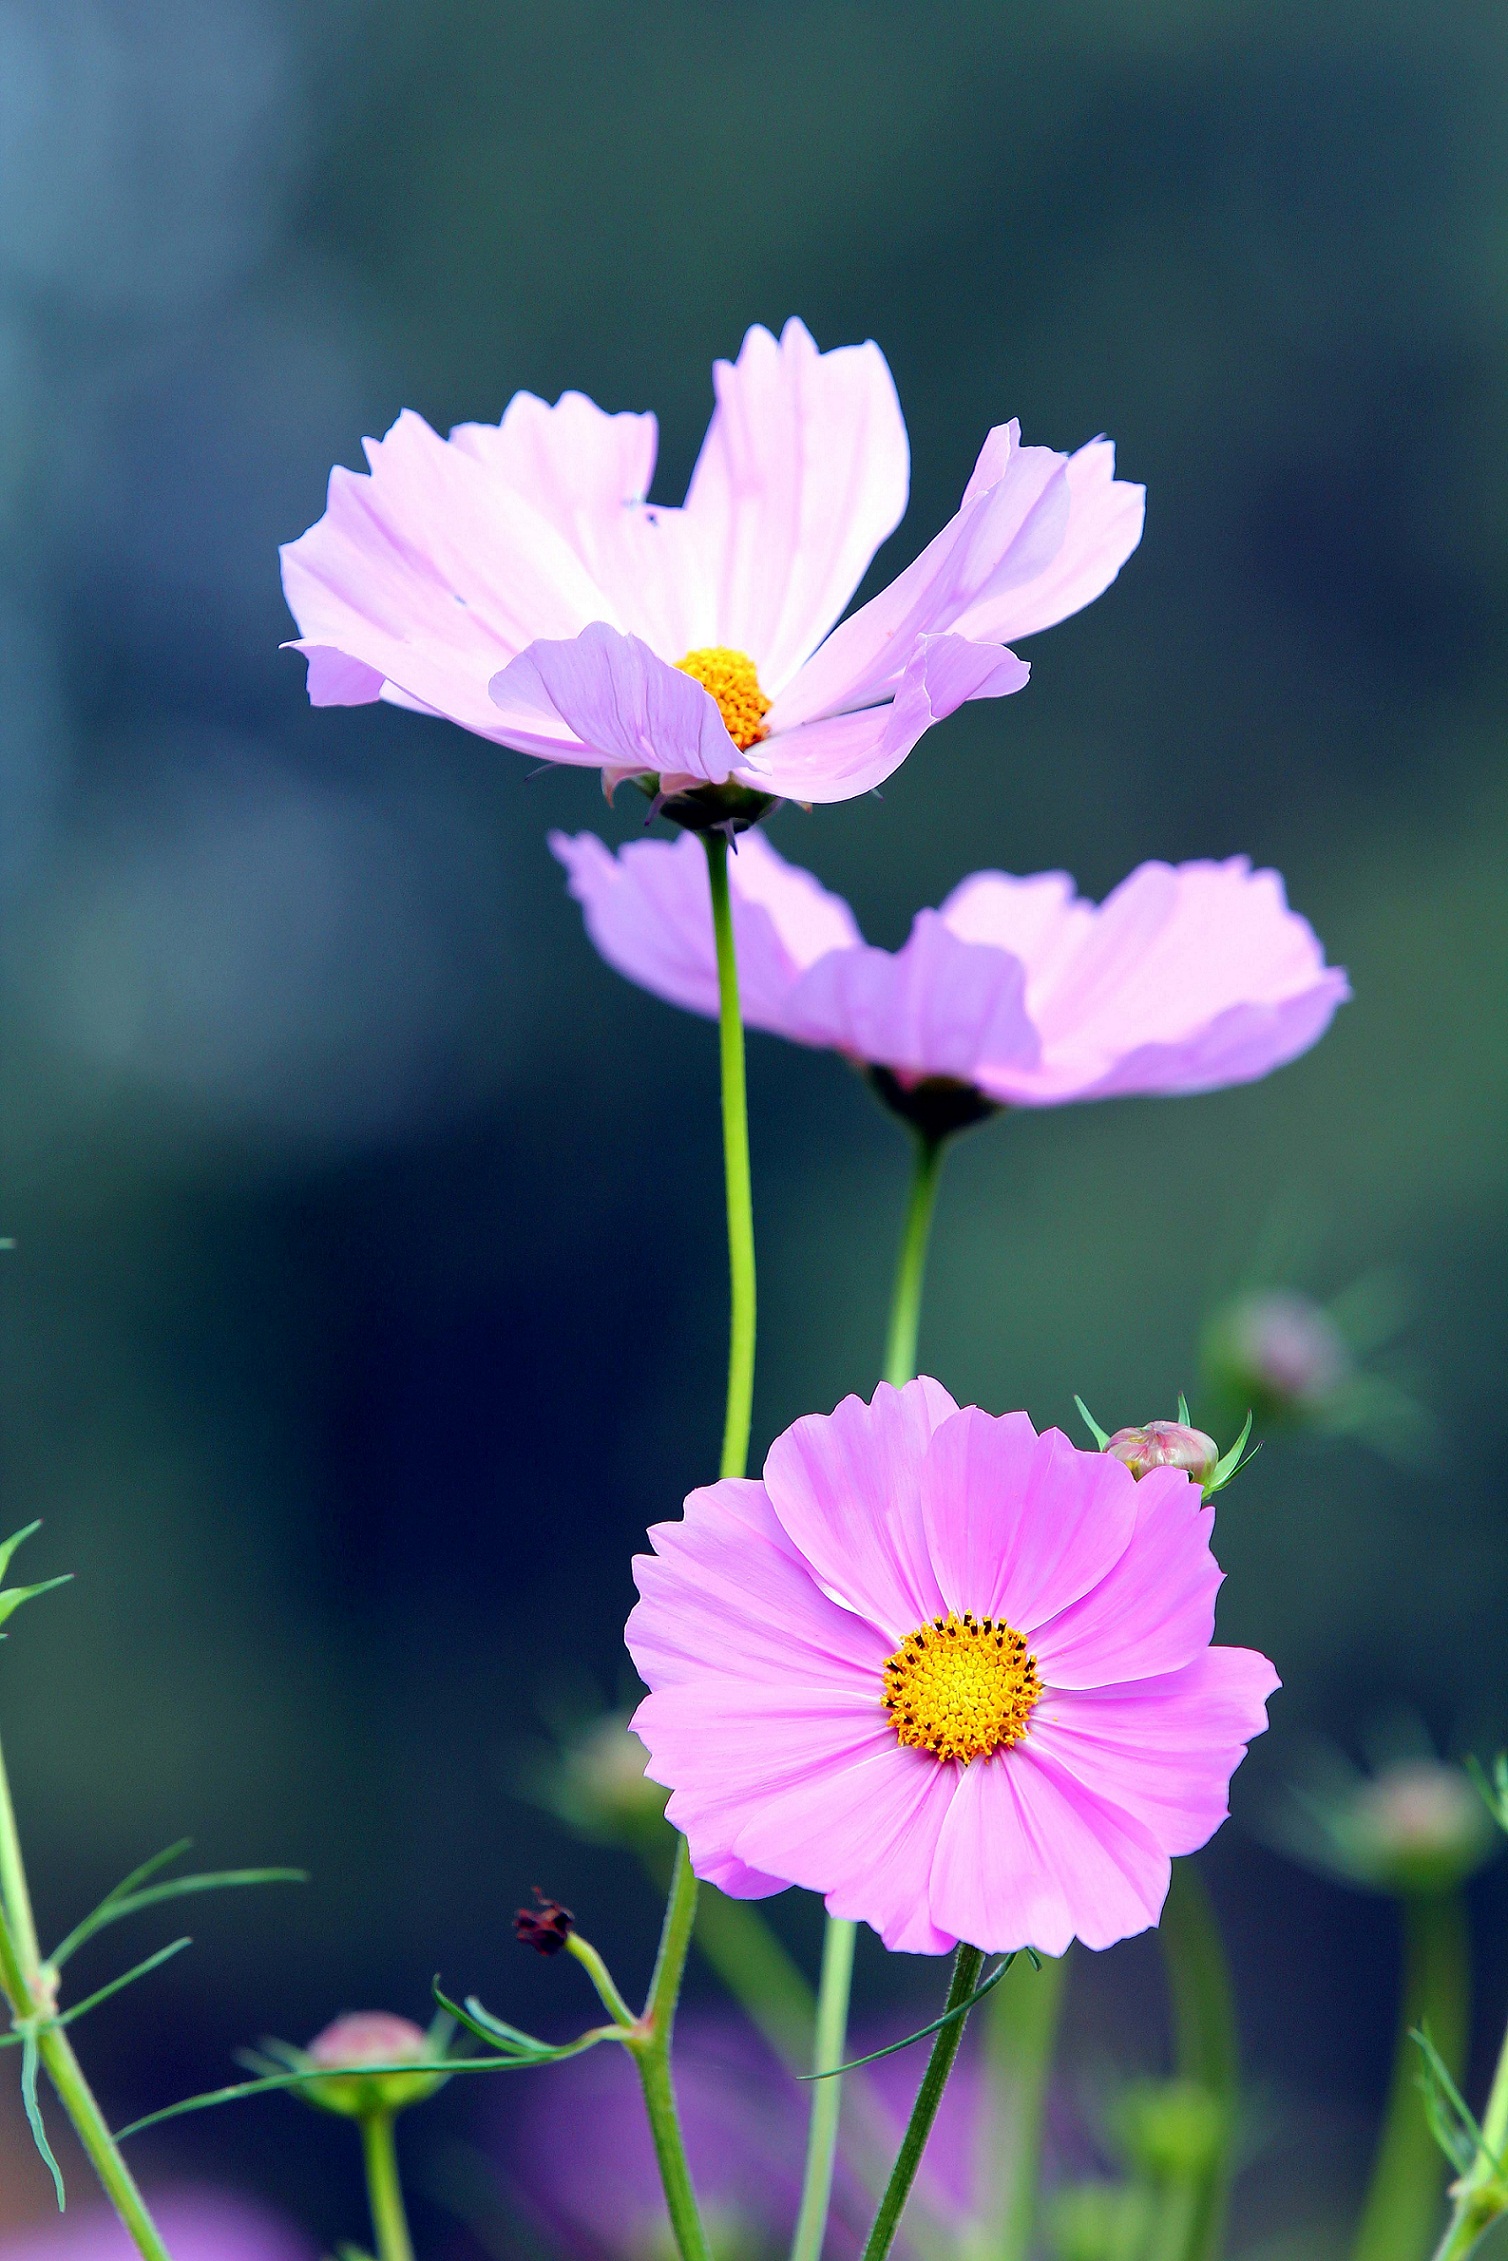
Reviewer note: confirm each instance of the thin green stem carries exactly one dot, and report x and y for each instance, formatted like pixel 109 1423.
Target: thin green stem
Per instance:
pixel 31 1990
pixel 602 1978
pixel 1480 2198
pixel 384 2190
pixel 966 1968
pixel 838 1940
pixel 911 1269
pixel 1403 2203
pixel 822 2130
pixel 651 2051
pixel 1205 2043
pixel 738 1182
pixel 1021 2027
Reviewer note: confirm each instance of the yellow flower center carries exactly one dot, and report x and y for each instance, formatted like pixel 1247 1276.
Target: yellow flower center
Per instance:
pixel 961 1687
pixel 733 680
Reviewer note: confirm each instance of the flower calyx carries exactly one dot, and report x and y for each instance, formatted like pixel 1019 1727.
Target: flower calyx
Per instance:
pixel 935 1106
pixel 362 2062
pixel 1172 1444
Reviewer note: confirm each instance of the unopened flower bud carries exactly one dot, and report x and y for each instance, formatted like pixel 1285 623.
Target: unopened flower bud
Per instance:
pixel 1166 1444
pixel 1173 2130
pixel 545 1928
pixel 358 2044
pixel 1418 1826
pixel 1279 1352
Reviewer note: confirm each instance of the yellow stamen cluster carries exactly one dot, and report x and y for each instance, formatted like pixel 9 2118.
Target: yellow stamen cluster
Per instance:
pixel 961 1687
pixel 733 680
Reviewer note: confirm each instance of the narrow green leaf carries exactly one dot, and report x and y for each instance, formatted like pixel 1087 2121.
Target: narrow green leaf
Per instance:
pixel 1183 1410
pixel 29 2097
pixel 948 2017
pixel 16 1539
pixel 480 2021
pixel 1451 2119
pixel 127 1978
pixel 12 1597
pixel 1101 1436
pixel 122 1903
pixel 1230 1463
pixel 494 2064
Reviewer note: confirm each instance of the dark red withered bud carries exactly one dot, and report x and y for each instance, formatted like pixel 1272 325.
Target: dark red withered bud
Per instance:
pixel 545 1928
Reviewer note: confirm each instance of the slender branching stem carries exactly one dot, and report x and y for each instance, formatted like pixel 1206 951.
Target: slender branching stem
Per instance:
pixel 30 1989
pixel 1480 2197
pixel 650 2045
pixel 1205 2044
pixel 1403 2203
pixel 738 1181
pixel 966 1968
pixel 379 2154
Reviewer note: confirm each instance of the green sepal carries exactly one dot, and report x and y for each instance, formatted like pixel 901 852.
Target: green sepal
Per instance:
pixel 1101 1436
pixel 1183 1411
pixel 1230 1463
pixel 922 2033
pixel 11 1597
pixel 1493 1789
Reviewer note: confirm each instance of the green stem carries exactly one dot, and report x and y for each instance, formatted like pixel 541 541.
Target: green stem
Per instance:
pixel 1480 2198
pixel 1403 2205
pixel 1021 2027
pixel 838 1939
pixel 31 1990
pixel 911 1269
pixel 1205 2044
pixel 738 1184
pixel 602 1978
pixel 966 1968
pixel 384 2190
pixel 651 2051
pixel 822 2130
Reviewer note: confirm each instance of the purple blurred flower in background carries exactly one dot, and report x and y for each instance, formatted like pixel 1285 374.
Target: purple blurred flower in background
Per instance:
pixel 515 579
pixel 1188 977
pixel 197 2225
pixel 745 2125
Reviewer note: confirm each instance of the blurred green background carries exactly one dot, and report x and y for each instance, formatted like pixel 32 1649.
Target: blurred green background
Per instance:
pixel 369 1295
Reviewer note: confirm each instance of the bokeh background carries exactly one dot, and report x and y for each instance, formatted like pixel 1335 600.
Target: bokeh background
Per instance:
pixel 368 1298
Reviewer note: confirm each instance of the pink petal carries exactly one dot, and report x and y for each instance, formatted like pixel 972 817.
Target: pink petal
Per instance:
pixel 935 1008
pixel 1240 1045
pixel 1041 919
pixel 620 704
pixel 848 754
pixel 846 1487
pixel 1104 526
pixel 649 912
pixel 1027 1857
pixel 336 681
pixel 432 572
pixel 737 1879
pixel 803 473
pixel 726 1595
pixel 1021 1526
pixel 1154 1611
pixel 1004 534
pixel 1163 1750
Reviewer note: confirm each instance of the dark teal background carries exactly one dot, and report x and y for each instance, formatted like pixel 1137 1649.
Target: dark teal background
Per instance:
pixel 369 1291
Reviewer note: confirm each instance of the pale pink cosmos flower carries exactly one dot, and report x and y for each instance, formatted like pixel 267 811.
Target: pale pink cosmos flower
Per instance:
pixel 514 579
pixel 954 1676
pixel 1188 977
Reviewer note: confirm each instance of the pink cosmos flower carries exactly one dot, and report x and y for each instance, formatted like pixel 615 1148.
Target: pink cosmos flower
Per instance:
pixel 514 579
pixel 1188 977
pixel 955 1676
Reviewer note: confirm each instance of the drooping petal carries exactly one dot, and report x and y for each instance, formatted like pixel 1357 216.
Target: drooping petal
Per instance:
pixel 804 471
pixel 847 754
pixel 1004 535
pixel 626 708
pixel 649 912
pixel 1021 1526
pixel 1240 1045
pixel 1154 1610
pixel 432 572
pixel 1163 1749
pixel 846 1487
pixel 935 1008
pixel 1104 526
pixel 727 1594
pixel 1028 1857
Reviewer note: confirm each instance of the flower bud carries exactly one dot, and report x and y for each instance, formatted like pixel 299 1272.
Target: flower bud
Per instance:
pixel 1280 1353
pixel 596 1784
pixel 363 2039
pixel 1172 2130
pixel 1416 1826
pixel 545 1928
pixel 1097 2221
pixel 1166 1444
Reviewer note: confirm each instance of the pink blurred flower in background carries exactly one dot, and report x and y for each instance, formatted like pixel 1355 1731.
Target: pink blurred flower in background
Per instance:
pixel 955 1676
pixel 515 579
pixel 197 2225
pixel 1188 977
